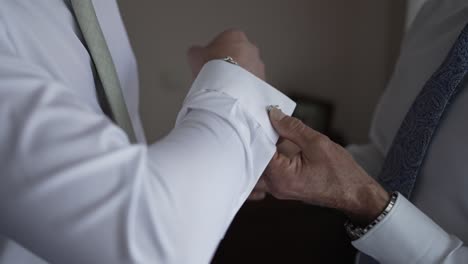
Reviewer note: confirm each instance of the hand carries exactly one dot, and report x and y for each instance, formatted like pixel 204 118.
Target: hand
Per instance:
pixel 323 173
pixel 285 147
pixel 233 43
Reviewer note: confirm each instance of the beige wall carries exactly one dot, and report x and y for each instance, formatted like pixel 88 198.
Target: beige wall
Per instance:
pixel 339 50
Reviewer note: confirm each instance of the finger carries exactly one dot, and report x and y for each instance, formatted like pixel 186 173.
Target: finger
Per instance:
pixel 196 59
pixel 261 186
pixel 291 128
pixel 278 165
pixel 230 35
pixel 280 141
pixel 257 196
pixel 287 147
pixel 281 175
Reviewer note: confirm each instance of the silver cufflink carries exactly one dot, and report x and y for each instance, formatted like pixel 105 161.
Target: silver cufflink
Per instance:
pixel 229 59
pixel 270 107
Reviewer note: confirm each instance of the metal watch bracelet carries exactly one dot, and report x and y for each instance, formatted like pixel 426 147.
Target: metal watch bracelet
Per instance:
pixel 356 232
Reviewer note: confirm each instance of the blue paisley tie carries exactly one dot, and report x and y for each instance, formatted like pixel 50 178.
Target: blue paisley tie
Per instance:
pixel 408 150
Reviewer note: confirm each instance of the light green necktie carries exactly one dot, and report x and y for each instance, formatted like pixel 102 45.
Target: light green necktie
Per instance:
pixel 99 51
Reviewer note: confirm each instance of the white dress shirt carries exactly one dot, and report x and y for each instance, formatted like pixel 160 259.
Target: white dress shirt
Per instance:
pixel 433 226
pixel 72 188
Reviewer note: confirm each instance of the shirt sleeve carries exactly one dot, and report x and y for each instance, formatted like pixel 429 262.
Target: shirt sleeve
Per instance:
pixel 73 190
pixel 368 156
pixel 407 235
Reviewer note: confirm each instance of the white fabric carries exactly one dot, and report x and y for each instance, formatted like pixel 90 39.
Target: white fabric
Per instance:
pixel 73 190
pixel 434 230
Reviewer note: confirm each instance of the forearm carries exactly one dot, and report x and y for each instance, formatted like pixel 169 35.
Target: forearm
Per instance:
pixel 367 200
pixel 406 235
pixel 75 191
pixel 171 203
pixel 215 170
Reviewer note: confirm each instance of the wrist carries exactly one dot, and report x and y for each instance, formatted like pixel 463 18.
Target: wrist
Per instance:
pixel 366 203
pixel 356 232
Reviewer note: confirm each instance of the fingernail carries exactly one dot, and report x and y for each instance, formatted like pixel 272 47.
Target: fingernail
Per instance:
pixel 276 113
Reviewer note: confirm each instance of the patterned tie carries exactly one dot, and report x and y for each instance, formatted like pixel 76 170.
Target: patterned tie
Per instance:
pixel 408 150
pixel 108 85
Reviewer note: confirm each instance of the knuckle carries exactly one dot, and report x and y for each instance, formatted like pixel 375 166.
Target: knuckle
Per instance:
pixel 322 141
pixel 255 49
pixel 279 196
pixel 271 168
pixel 274 167
pixel 296 126
pixel 236 34
pixel 277 191
pixel 281 187
pixel 261 69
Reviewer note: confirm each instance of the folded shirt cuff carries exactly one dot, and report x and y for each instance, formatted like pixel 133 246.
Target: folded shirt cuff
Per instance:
pixel 253 94
pixel 406 235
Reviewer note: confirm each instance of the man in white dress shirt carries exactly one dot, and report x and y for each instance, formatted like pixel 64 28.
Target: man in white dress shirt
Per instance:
pixel 73 189
pixel 432 225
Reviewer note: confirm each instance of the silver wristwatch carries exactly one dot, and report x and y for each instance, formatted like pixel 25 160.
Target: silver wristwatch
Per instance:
pixel 356 232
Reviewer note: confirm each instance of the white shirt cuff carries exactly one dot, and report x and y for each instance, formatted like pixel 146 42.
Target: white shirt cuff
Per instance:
pixel 253 94
pixel 406 235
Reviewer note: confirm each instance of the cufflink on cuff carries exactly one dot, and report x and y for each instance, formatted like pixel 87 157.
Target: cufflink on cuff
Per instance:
pixel 270 107
pixel 229 59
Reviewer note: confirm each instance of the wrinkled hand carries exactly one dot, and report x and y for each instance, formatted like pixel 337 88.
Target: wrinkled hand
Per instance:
pixel 233 43
pixel 322 173
pixel 285 147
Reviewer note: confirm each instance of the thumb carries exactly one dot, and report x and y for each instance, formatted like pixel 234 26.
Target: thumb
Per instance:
pixel 196 59
pixel 291 128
